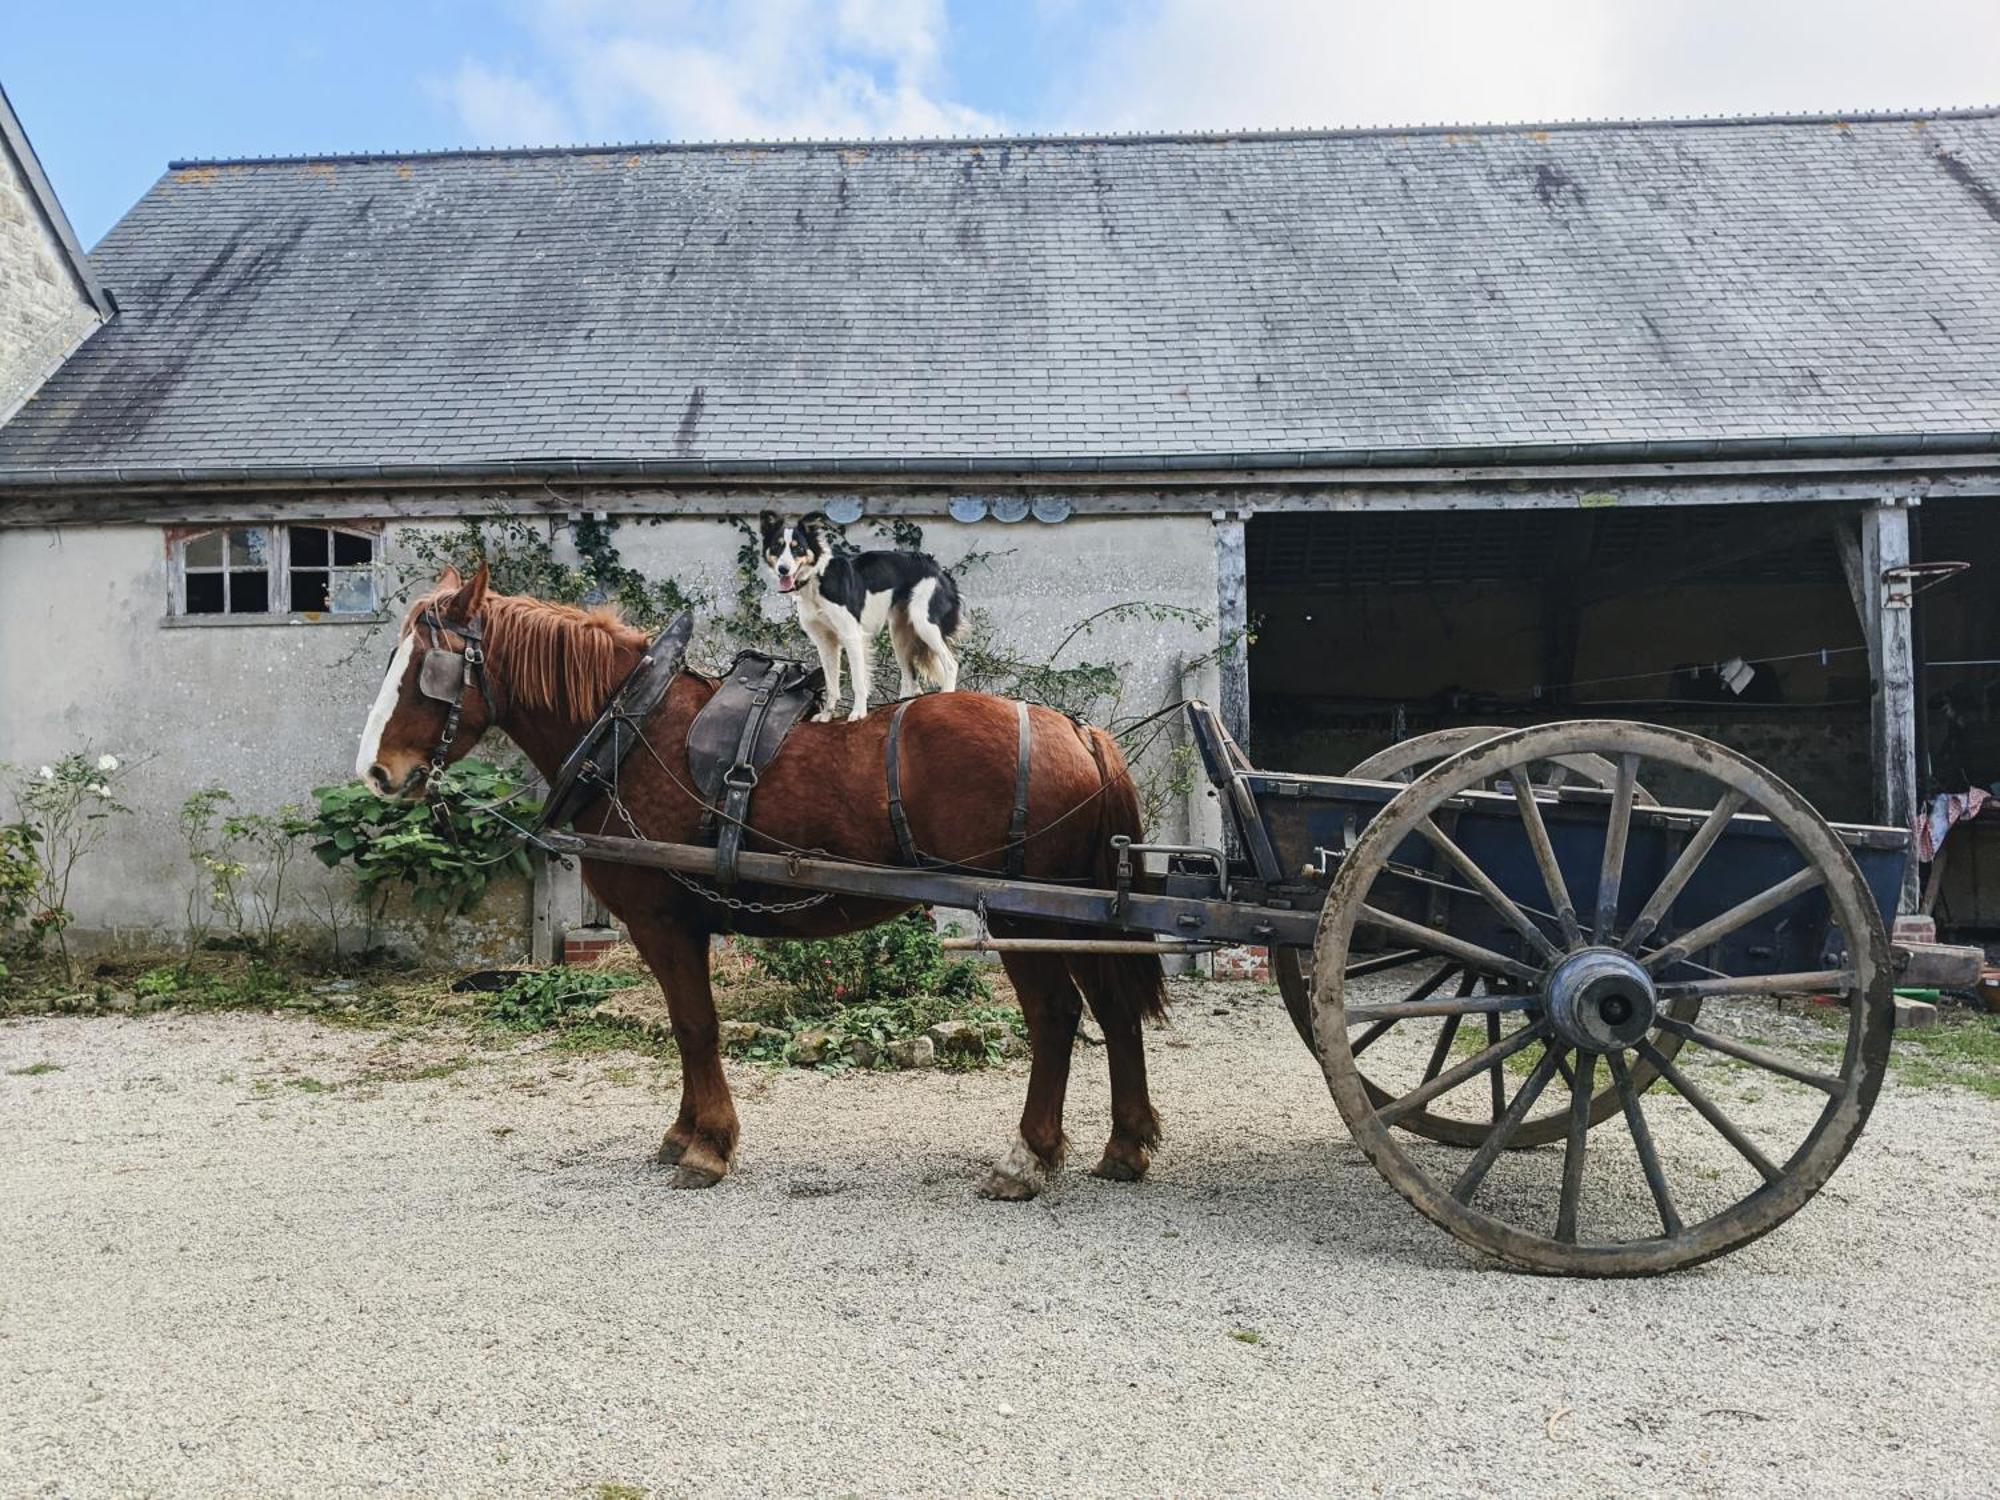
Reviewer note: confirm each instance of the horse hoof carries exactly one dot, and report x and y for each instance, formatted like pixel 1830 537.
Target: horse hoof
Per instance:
pixel 671 1151
pixel 1017 1176
pixel 1003 1188
pixel 1119 1169
pixel 695 1177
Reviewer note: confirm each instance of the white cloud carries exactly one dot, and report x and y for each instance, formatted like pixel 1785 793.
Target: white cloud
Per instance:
pixel 1196 63
pixel 706 70
pixel 737 69
pixel 503 109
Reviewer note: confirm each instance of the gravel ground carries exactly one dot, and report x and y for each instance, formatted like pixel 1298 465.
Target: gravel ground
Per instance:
pixel 253 1255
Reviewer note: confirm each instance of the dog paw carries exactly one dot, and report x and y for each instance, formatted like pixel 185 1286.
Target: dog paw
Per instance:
pixel 823 718
pixel 856 715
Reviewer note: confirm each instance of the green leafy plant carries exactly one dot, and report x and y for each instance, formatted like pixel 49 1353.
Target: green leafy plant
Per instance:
pixel 900 960
pixel 65 808
pixel 443 852
pixel 20 875
pixel 212 892
pixel 523 560
pixel 542 998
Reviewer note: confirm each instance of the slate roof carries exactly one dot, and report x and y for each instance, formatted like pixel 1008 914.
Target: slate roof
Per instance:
pixel 1097 303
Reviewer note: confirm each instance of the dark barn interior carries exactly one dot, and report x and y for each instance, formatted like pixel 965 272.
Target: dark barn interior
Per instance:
pixel 1372 627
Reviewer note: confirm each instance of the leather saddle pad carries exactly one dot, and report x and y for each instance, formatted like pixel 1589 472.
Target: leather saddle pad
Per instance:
pixel 744 725
pixel 592 766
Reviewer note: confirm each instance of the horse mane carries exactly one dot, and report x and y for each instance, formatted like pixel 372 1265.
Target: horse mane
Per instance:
pixel 557 657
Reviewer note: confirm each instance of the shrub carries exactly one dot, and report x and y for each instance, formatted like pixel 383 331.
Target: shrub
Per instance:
pixel 63 809
pixel 444 852
pixel 546 997
pixel 899 961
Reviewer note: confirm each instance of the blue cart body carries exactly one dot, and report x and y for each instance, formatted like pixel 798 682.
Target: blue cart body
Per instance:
pixel 1308 820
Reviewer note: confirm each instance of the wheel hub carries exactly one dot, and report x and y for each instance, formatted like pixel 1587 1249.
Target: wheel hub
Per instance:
pixel 1600 999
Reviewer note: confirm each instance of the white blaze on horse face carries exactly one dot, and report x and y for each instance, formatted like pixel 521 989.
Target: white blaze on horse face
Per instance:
pixel 386 699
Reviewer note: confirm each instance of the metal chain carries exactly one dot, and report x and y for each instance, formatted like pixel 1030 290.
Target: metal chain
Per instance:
pixel 738 903
pixel 709 893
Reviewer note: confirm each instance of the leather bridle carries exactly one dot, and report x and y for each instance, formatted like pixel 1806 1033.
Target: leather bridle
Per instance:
pixel 445 675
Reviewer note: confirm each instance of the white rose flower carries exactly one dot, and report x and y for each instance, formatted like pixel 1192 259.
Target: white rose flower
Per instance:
pixel 48 773
pixel 100 789
pixel 107 762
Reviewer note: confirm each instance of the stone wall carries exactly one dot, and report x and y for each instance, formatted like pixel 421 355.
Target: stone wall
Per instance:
pixel 270 710
pixel 43 312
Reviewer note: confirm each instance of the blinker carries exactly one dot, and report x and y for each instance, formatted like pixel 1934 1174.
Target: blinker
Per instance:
pixel 442 676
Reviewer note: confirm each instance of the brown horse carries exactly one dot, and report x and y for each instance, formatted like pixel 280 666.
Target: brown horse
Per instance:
pixel 550 669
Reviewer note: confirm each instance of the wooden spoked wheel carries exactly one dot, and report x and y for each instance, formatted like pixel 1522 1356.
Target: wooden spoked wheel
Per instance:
pixel 1291 967
pixel 1403 760
pixel 1599 966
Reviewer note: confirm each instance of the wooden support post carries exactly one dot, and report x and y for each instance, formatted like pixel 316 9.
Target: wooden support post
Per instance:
pixel 1232 623
pixel 558 906
pixel 1881 545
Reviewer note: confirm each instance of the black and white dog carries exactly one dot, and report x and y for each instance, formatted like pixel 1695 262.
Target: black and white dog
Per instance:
pixel 843 602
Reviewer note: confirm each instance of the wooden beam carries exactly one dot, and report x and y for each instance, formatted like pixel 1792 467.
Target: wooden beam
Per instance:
pixel 1881 545
pixel 1248 493
pixel 1232 623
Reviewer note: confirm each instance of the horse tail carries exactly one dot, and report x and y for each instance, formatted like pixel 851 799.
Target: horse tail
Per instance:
pixel 1134 983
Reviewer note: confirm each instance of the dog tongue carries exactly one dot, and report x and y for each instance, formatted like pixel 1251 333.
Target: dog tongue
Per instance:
pixel 786 585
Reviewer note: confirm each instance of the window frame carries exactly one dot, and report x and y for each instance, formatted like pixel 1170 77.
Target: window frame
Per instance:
pixel 278 569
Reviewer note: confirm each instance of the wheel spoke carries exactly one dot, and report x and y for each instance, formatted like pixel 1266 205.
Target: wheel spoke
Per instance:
pixel 1757 1057
pixel 1498 899
pixel 1545 856
pixel 1579 1129
pixel 1451 1078
pixel 1740 915
pixel 1709 1111
pixel 1496 1138
pixel 1642 1142
pixel 1810 982
pixel 1662 900
pixel 1446 944
pixel 1498 1079
pixel 1616 830
pixel 1493 1005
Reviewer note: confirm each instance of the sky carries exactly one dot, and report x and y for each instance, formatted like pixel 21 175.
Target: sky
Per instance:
pixel 111 92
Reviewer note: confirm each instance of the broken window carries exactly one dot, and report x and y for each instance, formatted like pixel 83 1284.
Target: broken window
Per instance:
pixel 310 571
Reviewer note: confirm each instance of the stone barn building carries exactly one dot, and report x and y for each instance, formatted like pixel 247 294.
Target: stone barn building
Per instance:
pixel 1410 427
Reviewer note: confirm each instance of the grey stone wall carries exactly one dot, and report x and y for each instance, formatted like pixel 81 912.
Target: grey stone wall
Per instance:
pixel 272 710
pixel 43 312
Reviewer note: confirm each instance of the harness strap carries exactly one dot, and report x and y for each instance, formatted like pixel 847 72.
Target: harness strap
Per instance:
pixel 892 761
pixel 1016 858
pixel 1017 825
pixel 740 780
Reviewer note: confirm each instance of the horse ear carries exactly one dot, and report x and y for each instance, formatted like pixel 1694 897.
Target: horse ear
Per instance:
pixel 465 602
pixel 450 578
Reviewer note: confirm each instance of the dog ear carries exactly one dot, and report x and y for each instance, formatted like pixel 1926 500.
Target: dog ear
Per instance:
pixel 768 525
pixel 820 529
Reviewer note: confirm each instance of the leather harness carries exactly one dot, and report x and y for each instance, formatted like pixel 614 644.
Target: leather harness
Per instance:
pixel 1015 860
pixel 738 732
pixel 734 736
